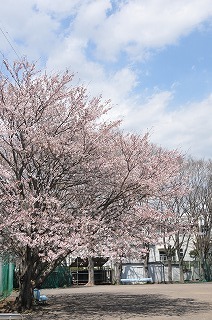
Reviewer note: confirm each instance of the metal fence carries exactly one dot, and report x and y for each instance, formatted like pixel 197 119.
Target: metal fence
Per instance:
pixel 60 277
pixel 101 276
pixel 6 278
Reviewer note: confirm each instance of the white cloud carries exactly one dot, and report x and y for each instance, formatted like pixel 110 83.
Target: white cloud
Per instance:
pixel 187 128
pixel 134 28
pixel 58 8
pixel 142 24
pixel 31 32
pixel 91 16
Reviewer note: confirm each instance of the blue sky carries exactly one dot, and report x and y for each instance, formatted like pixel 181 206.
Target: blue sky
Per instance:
pixel 152 58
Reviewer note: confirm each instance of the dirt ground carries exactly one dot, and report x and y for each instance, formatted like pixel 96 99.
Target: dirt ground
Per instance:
pixel 132 302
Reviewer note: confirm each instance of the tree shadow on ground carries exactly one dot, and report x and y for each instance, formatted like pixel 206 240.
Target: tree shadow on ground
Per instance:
pixel 102 306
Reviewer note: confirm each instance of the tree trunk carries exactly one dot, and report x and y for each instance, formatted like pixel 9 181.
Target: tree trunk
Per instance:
pixel 91 280
pixel 116 272
pixel 25 298
pixel 169 270
pixel 146 262
pixel 204 269
pixel 181 272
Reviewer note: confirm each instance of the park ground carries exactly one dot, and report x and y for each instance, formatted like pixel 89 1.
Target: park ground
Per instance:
pixel 190 301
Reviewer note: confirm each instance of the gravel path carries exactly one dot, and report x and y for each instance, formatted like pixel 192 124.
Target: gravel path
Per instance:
pixel 131 302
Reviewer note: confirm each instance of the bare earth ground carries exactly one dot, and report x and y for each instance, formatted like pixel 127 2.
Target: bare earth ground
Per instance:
pixel 153 301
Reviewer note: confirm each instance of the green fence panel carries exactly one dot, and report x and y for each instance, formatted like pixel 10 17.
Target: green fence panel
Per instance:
pixel 59 278
pixel 6 278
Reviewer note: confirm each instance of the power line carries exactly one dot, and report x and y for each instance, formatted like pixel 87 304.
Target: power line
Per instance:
pixel 2 31
pixel 5 59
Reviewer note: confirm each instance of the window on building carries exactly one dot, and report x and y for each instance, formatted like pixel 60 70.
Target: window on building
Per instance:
pixel 163 256
pixel 181 253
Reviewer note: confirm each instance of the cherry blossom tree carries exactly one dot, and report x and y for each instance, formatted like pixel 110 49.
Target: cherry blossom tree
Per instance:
pixel 138 175
pixel 51 139
pixel 69 179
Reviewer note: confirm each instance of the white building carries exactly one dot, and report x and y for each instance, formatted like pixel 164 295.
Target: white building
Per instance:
pixel 158 265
